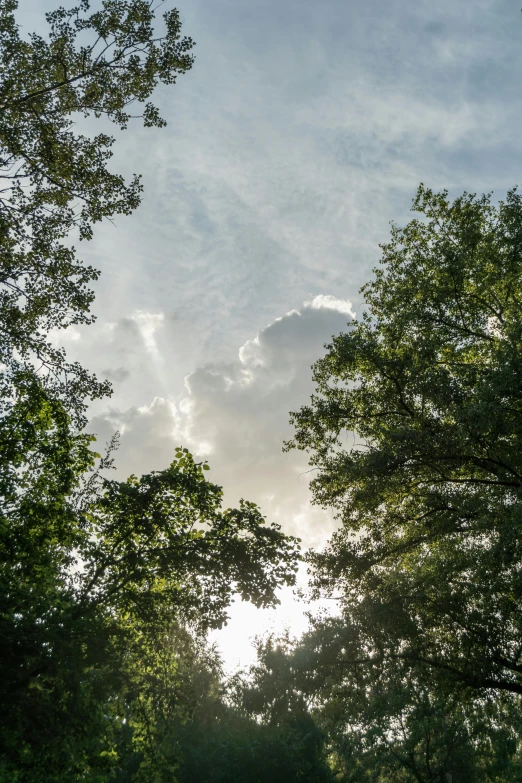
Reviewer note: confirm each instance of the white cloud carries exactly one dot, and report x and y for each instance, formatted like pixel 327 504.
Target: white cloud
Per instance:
pixel 330 302
pixel 148 324
pixel 235 413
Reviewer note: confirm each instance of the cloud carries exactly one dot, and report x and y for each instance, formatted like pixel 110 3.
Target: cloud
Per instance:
pixel 236 414
pixel 148 324
pixel 131 352
pixel 295 139
pixel 329 302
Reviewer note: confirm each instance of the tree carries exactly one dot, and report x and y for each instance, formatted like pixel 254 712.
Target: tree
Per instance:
pixel 387 722
pixel 239 736
pixel 56 181
pixel 380 723
pixel 87 623
pixel 234 748
pixel 99 579
pixel 427 561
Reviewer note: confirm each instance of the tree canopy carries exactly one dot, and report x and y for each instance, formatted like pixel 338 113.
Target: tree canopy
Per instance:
pixel 87 616
pixel 383 722
pixel 106 587
pixel 427 561
pixel 55 181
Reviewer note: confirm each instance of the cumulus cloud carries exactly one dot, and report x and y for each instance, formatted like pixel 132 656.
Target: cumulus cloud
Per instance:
pixel 236 414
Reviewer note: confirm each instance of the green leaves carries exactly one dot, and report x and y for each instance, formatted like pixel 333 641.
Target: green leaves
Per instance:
pixel 426 561
pixel 380 719
pixel 165 533
pixel 99 579
pixel 230 737
pixel 95 598
pixel 429 383
pixel 56 181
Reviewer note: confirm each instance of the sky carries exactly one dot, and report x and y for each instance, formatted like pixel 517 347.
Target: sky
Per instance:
pixel 302 130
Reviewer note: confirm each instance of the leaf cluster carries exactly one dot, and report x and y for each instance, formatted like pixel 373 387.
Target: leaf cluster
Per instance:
pixel 426 563
pixel 55 181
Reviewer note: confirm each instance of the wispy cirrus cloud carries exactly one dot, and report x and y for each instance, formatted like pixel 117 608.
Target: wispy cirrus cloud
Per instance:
pixel 299 134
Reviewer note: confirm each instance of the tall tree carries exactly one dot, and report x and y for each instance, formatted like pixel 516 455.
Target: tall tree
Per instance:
pixel 56 181
pixel 427 562
pixel 98 579
pixel 384 722
pixel 259 730
pixel 87 617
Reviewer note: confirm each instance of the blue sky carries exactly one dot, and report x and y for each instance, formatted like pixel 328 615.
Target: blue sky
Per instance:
pixel 302 130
